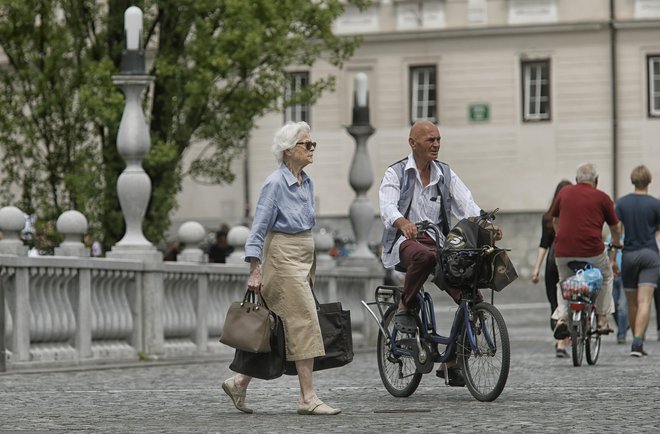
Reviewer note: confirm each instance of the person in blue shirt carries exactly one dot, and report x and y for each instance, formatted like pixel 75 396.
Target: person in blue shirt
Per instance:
pixel 639 214
pixel 280 250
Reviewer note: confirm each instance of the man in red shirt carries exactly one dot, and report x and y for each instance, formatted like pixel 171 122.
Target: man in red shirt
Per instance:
pixel 579 213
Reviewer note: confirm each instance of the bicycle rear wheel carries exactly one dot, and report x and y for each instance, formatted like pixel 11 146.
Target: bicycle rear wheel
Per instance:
pixel 577 340
pixel 487 369
pixel 398 372
pixel 592 342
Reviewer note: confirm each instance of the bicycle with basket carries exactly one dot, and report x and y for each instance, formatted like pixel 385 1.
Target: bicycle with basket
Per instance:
pixel 478 339
pixel 581 291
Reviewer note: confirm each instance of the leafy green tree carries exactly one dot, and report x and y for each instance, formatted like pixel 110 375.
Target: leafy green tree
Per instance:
pixel 218 66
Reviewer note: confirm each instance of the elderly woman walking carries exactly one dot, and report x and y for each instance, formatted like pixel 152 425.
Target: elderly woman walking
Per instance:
pixel 280 250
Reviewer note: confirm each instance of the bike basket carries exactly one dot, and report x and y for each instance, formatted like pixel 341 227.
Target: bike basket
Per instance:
pixel 457 266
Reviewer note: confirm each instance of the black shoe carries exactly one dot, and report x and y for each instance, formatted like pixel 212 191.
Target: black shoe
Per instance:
pixel 405 321
pixel 456 378
pixel 561 353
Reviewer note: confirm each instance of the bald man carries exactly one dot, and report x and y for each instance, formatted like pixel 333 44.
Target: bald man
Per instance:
pixel 405 198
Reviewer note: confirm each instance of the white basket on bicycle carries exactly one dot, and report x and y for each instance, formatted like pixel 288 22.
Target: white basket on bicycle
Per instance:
pixel 585 283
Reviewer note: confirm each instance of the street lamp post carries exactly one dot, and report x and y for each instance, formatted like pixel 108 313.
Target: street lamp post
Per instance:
pixel 133 143
pixel 134 185
pixel 361 212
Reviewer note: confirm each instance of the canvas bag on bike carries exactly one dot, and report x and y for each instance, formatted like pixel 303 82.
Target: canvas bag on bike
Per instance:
pixel 457 269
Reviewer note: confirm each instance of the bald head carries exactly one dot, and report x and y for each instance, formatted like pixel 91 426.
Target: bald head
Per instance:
pixel 424 140
pixel 421 128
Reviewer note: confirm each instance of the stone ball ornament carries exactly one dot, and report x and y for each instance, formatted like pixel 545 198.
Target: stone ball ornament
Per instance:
pixel 71 222
pixel 12 219
pixel 191 233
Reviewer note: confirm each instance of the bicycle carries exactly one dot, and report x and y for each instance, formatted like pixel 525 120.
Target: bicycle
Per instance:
pixel 582 318
pixel 478 338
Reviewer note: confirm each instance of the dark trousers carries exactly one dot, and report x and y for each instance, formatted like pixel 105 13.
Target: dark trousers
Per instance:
pixel 417 256
pixel 551 280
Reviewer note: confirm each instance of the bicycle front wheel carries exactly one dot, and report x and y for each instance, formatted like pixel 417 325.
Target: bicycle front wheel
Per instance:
pixel 593 338
pixel 486 369
pixel 398 372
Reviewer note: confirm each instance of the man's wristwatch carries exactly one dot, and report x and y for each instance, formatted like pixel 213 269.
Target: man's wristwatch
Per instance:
pixel 611 246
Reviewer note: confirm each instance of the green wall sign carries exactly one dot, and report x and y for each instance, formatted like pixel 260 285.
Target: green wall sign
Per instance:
pixel 479 112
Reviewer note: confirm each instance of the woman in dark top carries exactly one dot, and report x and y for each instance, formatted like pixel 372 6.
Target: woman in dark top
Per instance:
pixel 551 274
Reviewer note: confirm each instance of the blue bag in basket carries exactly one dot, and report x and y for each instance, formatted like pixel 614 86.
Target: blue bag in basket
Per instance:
pixel 593 277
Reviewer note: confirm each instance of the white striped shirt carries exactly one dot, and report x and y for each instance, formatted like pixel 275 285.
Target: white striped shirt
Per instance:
pixel 421 208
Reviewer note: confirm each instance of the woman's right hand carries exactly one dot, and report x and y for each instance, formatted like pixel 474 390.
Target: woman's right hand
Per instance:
pixel 255 279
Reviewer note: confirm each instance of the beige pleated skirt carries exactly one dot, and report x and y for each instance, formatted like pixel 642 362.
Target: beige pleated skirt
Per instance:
pixel 288 276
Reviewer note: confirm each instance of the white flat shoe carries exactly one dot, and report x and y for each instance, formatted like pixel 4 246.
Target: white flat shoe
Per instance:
pixel 316 407
pixel 237 396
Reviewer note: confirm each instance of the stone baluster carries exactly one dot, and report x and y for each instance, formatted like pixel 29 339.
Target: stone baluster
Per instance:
pixel 12 222
pixel 179 317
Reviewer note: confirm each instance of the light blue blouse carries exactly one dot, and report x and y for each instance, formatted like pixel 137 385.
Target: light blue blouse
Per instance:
pixel 283 206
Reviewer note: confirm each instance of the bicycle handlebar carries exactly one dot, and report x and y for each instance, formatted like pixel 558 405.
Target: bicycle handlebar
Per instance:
pixel 425 225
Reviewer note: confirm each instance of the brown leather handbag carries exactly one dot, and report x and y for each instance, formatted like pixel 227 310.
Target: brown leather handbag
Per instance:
pixel 248 325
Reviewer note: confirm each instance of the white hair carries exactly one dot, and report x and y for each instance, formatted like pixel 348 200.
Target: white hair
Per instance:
pixel 586 172
pixel 287 136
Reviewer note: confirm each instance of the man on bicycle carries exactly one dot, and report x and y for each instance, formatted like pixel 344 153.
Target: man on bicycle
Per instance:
pixel 579 213
pixel 414 189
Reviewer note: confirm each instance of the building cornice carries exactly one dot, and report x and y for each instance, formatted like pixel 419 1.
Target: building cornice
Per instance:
pixel 490 31
pixel 637 25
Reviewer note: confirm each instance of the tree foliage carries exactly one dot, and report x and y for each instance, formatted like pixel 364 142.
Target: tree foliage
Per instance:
pixel 218 66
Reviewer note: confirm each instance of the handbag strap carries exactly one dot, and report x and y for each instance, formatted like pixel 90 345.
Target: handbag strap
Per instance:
pixel 259 301
pixel 316 300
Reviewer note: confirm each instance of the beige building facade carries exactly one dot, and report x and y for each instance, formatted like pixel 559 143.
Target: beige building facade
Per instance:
pixel 522 90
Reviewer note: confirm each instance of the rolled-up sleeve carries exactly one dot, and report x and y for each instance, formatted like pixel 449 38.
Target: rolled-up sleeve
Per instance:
pixel 388 198
pixel 264 218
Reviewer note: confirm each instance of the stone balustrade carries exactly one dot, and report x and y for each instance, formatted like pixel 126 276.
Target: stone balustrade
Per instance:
pixel 68 310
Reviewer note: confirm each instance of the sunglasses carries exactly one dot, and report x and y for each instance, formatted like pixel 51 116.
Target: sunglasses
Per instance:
pixel 309 145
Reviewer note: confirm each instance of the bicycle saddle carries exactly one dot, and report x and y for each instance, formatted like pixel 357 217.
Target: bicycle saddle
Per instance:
pixel 577 265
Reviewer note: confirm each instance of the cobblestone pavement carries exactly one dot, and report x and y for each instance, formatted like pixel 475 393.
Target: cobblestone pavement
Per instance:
pixel 543 393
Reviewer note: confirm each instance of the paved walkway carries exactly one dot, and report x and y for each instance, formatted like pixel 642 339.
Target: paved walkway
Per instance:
pixel 543 393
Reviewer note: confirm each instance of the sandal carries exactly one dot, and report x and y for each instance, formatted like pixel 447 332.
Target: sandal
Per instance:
pixel 604 327
pixel 316 407
pixel 405 321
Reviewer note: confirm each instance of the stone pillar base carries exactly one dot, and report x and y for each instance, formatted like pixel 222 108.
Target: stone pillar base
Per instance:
pixel 140 253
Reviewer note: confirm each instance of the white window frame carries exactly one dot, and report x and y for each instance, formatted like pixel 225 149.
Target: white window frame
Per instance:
pixel 420 81
pixel 533 98
pixel 653 61
pixel 297 112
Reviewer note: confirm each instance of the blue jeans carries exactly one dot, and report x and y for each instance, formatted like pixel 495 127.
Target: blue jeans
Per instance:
pixel 620 307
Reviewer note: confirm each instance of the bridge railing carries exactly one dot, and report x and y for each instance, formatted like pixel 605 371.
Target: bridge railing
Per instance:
pixel 75 310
